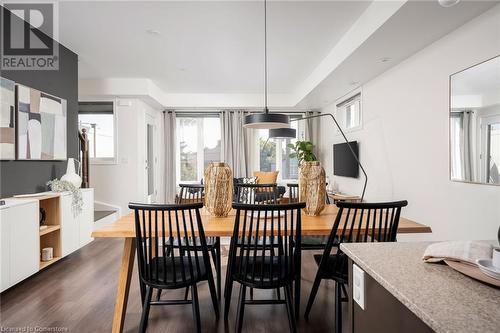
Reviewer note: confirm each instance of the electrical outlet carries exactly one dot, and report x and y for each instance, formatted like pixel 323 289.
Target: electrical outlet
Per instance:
pixel 358 286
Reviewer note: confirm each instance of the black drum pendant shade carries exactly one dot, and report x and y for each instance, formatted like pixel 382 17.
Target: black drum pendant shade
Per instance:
pixel 267 120
pixel 282 133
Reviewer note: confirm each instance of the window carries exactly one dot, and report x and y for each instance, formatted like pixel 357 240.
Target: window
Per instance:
pixel 274 154
pixel 198 144
pixel 348 113
pixel 99 120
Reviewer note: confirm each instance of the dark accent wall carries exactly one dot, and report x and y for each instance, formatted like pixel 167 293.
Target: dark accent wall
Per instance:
pixel 20 177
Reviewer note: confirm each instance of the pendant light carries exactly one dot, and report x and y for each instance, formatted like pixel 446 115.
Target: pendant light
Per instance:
pixel 282 133
pixel 266 120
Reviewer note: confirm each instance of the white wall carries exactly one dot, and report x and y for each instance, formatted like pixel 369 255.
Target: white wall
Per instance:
pixel 404 140
pixel 123 182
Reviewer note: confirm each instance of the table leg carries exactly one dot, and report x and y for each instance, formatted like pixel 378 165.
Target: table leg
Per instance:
pixel 124 284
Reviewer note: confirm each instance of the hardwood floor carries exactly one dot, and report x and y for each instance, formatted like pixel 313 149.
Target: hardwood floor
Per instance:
pixel 77 295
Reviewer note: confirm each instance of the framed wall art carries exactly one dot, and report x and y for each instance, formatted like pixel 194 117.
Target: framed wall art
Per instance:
pixel 41 125
pixel 7 120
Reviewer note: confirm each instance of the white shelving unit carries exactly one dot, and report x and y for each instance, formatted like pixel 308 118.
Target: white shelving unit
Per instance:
pixel 21 238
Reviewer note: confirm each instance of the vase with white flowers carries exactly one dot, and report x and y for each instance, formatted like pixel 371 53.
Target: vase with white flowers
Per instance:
pixel 57 185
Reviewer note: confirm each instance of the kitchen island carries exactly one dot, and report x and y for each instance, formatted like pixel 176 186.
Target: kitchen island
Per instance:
pixel 404 294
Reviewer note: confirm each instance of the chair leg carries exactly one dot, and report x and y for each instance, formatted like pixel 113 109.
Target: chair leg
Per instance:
pixel 186 294
pixel 241 309
pixel 278 293
pixel 218 267
pixel 213 295
pixel 289 308
pixel 145 310
pixel 158 295
pixel 196 308
pixel 312 296
pixel 142 288
pixel 227 296
pixel 338 308
pixel 251 294
pixel 297 294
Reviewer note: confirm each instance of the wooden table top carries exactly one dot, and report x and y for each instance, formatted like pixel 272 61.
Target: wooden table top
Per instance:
pixel 320 225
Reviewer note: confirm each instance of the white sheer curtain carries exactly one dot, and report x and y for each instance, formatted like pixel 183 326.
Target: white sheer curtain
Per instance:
pixel 170 150
pixel 455 146
pixel 235 142
pixel 467 145
pixel 312 129
pixel 462 145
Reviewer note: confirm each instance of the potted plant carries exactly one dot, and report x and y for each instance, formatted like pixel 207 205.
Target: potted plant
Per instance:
pixel 303 151
pixel 312 179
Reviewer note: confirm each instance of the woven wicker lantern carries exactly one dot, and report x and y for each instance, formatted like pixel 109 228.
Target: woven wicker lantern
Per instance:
pixel 312 187
pixel 218 189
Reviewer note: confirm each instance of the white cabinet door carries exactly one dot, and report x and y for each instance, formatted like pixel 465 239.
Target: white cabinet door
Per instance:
pixel 5 222
pixel 24 241
pixel 70 229
pixel 86 217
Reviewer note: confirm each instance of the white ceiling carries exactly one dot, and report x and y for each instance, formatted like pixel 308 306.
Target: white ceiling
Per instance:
pixel 416 25
pixel 205 47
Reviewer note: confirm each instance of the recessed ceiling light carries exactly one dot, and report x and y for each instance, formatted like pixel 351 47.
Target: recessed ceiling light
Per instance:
pixel 153 32
pixel 385 59
pixel 354 83
pixel 448 3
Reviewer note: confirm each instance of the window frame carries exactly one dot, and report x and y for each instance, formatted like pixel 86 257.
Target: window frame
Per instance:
pixel 200 156
pixel 279 142
pixel 340 112
pixel 104 160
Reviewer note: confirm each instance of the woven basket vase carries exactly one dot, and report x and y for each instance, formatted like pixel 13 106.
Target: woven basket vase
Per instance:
pixel 218 189
pixel 312 187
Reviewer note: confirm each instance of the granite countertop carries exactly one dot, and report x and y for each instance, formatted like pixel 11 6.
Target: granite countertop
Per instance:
pixel 446 300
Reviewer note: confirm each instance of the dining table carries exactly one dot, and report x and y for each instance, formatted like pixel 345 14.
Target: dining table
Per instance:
pixel 124 227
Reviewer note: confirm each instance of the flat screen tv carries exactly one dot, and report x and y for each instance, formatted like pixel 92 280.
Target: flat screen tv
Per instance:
pixel 344 164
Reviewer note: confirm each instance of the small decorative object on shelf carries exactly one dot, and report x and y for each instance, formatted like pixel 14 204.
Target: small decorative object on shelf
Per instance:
pixel 312 187
pixel 63 186
pixel 47 254
pixel 71 176
pixel 218 189
pixel 43 216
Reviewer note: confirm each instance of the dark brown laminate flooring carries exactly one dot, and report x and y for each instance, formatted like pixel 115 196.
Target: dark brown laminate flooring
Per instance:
pixel 78 293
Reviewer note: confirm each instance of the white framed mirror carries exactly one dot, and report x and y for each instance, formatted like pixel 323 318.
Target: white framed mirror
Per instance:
pixel 474 122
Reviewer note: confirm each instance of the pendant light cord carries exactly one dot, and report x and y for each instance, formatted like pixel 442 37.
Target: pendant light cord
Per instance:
pixel 265 56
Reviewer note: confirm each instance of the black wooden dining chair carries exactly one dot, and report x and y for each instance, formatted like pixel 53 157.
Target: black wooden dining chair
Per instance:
pixel 355 223
pixel 256 193
pixel 190 193
pixel 256 265
pixel 194 193
pixel 157 227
